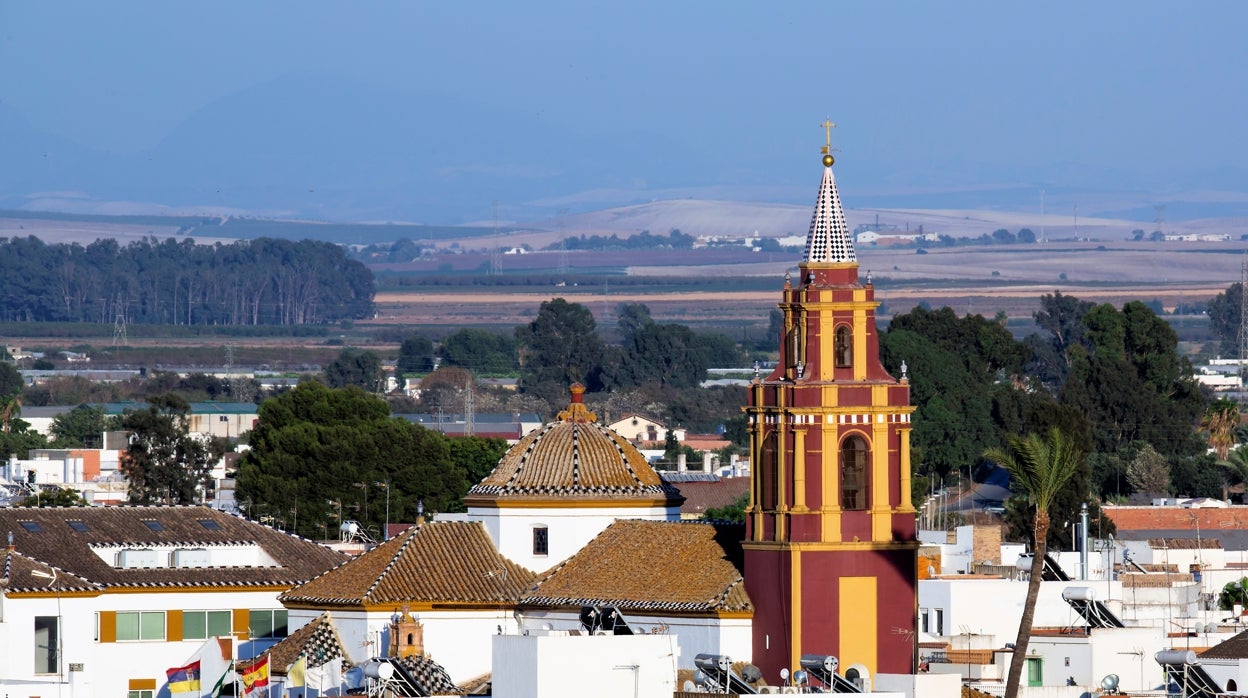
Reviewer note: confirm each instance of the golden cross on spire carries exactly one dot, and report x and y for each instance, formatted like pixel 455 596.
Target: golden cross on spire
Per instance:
pixel 827 127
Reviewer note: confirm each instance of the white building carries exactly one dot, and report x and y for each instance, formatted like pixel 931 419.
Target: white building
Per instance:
pixel 101 601
pixel 573 498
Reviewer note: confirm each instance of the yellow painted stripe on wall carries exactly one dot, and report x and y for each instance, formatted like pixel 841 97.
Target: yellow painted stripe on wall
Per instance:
pixel 859 622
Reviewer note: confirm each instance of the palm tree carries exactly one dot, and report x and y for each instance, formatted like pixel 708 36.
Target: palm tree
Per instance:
pixel 1236 464
pixel 1220 419
pixel 1041 465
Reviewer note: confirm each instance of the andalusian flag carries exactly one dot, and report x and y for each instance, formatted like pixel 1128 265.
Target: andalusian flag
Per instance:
pixel 220 684
pixel 184 680
pixel 256 678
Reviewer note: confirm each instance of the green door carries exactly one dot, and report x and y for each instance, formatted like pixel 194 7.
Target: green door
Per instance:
pixel 1035 671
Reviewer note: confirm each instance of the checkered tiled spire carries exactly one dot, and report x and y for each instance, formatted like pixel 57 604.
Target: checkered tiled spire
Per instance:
pixel 828 240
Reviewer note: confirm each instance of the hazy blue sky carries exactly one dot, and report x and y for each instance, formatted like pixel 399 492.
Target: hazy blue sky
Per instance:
pixel 1127 96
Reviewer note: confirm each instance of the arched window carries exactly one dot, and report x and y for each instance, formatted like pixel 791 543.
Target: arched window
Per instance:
pixel 854 473
pixel 844 347
pixel 411 639
pixel 794 347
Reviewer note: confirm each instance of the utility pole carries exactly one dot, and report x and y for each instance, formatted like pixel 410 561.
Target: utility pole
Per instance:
pixel 1243 327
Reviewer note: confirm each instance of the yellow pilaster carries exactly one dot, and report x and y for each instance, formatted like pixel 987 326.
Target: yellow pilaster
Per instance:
pixel 831 476
pixel 782 458
pixel 799 469
pixel 795 593
pixel 907 506
pixel 860 333
pixel 881 512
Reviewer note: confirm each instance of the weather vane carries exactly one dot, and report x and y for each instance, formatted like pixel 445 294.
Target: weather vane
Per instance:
pixel 827 148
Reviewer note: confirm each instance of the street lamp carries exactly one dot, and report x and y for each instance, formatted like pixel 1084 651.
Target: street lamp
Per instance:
pixel 385 532
pixel 364 512
pixel 60 665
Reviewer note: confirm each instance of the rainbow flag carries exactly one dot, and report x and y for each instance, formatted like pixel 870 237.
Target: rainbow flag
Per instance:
pixel 256 677
pixel 184 680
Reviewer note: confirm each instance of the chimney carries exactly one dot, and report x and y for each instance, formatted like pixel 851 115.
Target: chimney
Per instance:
pixel 681 465
pixel 706 462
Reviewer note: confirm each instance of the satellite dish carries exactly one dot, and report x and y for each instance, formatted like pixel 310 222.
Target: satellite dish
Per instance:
pixel 688 686
pixel 800 677
pixel 751 673
pixel 1109 684
pixel 784 674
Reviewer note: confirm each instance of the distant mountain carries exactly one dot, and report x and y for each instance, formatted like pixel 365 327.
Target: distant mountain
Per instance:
pixel 330 149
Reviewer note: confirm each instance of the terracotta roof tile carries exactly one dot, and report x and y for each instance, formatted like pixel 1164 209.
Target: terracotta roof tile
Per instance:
pixel 440 562
pixel 700 496
pixel 1234 648
pixel 573 457
pixel 652 566
pixel 318 639
pixel 46 535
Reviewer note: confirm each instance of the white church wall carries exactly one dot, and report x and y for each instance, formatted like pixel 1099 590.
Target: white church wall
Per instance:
pixel 608 666
pixel 568 529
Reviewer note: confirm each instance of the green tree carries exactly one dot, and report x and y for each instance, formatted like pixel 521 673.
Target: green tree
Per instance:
pixel 1041 466
pixel 558 348
pixel 320 451
pixel 1060 320
pixel 1149 472
pixel 415 355
pixel 164 463
pixel 631 317
pixel 665 354
pixel 56 497
pixel 1233 594
pixel 480 351
pixel 720 350
pixel 735 511
pixel 355 367
pixel 1001 236
pixel 11 382
pixel 477 456
pixel 81 427
pixel 1132 383
pixel 1224 317
pixel 1025 236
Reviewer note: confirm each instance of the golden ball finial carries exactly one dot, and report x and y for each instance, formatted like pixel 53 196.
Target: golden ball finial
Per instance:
pixel 828 160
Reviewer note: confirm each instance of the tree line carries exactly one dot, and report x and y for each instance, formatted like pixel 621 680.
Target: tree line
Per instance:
pixel 252 282
pixel 1111 379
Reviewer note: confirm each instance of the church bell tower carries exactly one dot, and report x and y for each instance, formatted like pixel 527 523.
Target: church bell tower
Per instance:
pixel 830 549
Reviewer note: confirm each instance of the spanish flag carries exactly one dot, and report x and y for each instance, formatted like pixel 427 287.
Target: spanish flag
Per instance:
pixel 184 680
pixel 256 678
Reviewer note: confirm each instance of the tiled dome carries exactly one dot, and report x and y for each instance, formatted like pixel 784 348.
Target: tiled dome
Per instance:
pixel 575 457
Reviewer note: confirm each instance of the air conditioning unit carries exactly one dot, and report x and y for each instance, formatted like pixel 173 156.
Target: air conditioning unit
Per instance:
pixel 190 557
pixel 138 558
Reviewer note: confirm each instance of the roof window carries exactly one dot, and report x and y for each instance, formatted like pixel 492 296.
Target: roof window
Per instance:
pixel 78 526
pixel 154 524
